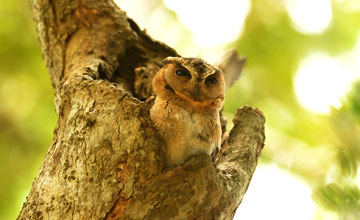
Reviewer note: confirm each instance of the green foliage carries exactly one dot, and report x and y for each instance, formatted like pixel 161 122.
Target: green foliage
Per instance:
pixel 27 116
pixel 343 199
pixel 342 194
pixel 274 50
pixel 354 101
pixel 346 122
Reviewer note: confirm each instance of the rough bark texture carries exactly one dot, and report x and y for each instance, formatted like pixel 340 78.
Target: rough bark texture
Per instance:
pixel 106 160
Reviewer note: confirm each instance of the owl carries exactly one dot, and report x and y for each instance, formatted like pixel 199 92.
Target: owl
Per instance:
pixel 189 96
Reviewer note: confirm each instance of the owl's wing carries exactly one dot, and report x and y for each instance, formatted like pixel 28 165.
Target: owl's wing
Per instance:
pixel 231 64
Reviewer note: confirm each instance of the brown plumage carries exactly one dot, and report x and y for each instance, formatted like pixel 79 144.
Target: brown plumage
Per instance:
pixel 189 95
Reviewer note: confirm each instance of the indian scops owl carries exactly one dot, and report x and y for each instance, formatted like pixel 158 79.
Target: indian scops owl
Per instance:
pixel 189 95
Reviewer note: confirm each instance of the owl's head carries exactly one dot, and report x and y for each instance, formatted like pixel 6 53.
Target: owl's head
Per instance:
pixel 191 79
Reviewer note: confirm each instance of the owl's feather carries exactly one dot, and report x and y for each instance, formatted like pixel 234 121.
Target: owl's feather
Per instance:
pixel 189 95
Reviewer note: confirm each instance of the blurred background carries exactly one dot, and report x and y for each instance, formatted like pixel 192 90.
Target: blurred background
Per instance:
pixel 302 71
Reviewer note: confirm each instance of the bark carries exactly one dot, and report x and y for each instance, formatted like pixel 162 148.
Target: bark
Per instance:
pixel 106 160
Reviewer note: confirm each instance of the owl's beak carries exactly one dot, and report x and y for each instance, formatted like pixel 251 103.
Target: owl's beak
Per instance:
pixel 196 92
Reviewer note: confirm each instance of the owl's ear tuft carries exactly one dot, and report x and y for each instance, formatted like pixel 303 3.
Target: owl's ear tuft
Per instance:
pixel 168 60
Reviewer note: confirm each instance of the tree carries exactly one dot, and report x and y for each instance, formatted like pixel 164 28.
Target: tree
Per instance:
pixel 105 161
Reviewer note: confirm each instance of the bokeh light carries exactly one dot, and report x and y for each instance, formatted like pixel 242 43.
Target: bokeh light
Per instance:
pixel 212 22
pixel 279 194
pixel 310 16
pixel 321 82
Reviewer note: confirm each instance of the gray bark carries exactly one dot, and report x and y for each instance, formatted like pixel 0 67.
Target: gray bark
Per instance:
pixel 106 160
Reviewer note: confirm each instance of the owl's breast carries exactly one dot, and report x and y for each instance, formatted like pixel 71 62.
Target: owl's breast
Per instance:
pixel 205 131
pixel 185 133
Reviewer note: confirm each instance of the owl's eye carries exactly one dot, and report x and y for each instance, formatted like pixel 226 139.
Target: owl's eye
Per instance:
pixel 212 80
pixel 183 73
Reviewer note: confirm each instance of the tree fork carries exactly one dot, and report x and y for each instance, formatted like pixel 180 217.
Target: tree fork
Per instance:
pixel 106 161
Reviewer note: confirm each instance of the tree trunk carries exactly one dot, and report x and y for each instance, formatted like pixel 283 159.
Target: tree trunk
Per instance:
pixel 106 160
